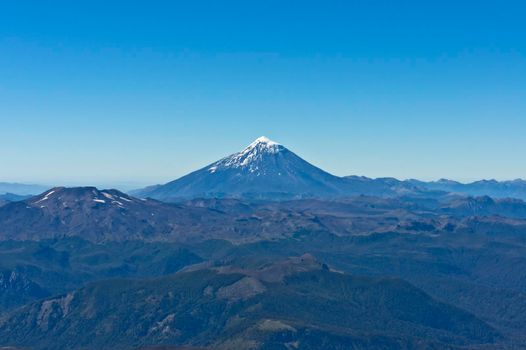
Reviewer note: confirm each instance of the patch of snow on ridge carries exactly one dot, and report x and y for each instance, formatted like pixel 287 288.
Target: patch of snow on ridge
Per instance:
pixel 212 169
pixel 107 195
pixel 46 197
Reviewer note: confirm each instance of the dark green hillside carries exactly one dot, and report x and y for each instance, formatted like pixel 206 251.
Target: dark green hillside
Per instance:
pixel 33 270
pixel 298 302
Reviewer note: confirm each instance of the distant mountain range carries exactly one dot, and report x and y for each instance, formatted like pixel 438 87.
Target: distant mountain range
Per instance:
pixel 21 189
pixel 11 197
pixel 268 170
pixel 110 215
pixel 493 188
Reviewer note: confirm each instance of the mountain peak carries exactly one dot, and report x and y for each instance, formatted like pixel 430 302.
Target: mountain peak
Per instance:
pixel 72 197
pixel 264 140
pixel 250 158
pixel 263 143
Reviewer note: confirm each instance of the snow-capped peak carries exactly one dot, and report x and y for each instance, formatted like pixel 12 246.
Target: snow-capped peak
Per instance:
pixel 262 144
pixel 264 140
pixel 250 156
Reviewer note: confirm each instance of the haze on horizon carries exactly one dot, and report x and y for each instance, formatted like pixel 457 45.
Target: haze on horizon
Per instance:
pixel 129 93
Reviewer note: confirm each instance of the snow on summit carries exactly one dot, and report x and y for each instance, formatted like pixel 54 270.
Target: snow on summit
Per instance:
pixel 264 140
pixel 262 144
pixel 250 156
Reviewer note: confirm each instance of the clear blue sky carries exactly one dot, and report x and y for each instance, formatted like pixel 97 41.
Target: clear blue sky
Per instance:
pixel 99 92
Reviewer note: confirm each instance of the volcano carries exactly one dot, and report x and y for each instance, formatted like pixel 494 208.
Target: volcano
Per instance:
pixel 263 170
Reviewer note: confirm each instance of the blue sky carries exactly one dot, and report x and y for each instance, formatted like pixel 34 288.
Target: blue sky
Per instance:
pixel 141 92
